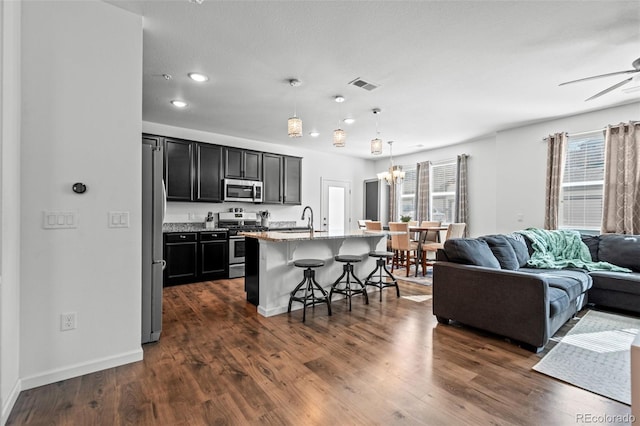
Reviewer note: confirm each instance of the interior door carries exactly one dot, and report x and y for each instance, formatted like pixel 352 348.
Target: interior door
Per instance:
pixel 336 205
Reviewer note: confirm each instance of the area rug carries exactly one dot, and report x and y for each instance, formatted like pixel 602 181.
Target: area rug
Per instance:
pixel 595 355
pixel 418 297
pixel 401 274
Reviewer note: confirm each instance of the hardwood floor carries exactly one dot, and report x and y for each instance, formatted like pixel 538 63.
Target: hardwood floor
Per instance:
pixel 219 363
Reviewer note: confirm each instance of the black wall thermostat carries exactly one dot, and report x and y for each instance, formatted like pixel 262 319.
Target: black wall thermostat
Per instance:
pixel 79 188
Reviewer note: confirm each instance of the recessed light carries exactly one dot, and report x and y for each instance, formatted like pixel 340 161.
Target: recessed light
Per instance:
pixel 178 104
pixel 314 134
pixel 349 120
pixel 339 98
pixel 200 78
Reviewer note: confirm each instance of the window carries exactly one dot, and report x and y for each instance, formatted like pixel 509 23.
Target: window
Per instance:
pixel 443 191
pixel 407 192
pixel 581 192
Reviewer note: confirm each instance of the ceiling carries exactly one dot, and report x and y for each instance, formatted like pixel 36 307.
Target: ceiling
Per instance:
pixel 447 71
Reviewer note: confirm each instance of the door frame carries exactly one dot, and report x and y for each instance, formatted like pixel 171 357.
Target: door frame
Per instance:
pixel 325 183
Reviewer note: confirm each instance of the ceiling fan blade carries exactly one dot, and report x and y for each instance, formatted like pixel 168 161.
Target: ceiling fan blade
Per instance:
pixel 615 86
pixel 599 76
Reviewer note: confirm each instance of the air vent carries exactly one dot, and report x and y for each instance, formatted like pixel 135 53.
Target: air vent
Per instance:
pixel 367 85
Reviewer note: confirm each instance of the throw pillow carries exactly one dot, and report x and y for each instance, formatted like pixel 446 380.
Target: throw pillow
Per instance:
pixel 470 251
pixel 503 251
pixel 519 244
pixel 621 250
pixel 592 241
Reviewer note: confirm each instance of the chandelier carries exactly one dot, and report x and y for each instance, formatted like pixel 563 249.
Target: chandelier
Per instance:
pixel 395 175
pixel 294 124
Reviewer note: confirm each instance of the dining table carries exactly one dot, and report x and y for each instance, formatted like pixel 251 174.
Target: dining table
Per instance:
pixel 423 231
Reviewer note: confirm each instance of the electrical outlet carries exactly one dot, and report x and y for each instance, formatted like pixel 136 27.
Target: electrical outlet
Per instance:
pixel 192 216
pixel 67 321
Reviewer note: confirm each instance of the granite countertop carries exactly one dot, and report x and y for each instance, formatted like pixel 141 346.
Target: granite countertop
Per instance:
pixel 188 227
pixel 279 236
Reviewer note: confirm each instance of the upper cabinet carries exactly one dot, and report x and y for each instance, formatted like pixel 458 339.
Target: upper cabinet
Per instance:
pixel 208 173
pixel 292 180
pixel 242 164
pixel 193 171
pixel 282 176
pixel 272 178
pixel 178 169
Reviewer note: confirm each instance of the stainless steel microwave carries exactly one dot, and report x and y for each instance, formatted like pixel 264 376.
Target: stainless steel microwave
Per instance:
pixel 242 190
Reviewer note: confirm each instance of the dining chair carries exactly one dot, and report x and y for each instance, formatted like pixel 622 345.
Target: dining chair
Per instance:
pixel 432 236
pixel 362 223
pixel 454 230
pixel 402 246
pixel 373 225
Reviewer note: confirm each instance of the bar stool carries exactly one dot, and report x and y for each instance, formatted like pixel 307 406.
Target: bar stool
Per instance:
pixel 347 273
pixel 310 287
pixel 381 266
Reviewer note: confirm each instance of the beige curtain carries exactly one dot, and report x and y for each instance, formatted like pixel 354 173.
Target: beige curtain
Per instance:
pixel 422 192
pixel 621 210
pixel 555 151
pixel 462 207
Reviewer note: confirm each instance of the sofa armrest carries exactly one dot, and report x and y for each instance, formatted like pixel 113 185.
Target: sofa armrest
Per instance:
pixel 509 303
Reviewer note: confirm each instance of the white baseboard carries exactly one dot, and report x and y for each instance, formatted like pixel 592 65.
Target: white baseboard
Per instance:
pixel 10 402
pixel 81 369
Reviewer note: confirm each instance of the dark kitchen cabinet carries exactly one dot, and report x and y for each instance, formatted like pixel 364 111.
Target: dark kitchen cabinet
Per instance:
pixel 208 171
pixel 282 179
pixel 292 180
pixel 272 178
pixel 213 255
pixel 242 164
pixel 181 255
pixel 195 256
pixel 178 169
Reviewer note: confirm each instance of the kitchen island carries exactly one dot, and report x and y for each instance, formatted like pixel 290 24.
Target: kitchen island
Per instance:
pixel 270 275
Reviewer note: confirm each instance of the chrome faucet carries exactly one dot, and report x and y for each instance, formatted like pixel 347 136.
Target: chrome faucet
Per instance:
pixel 310 220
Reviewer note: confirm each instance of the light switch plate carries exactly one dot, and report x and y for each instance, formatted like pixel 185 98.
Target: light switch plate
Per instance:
pixel 59 219
pixel 118 219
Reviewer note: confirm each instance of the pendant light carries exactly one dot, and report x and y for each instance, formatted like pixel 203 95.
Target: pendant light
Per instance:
pixel 376 144
pixel 395 175
pixel 294 124
pixel 339 135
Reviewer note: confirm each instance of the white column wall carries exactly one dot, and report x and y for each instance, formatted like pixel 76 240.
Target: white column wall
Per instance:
pixel 9 205
pixel 81 122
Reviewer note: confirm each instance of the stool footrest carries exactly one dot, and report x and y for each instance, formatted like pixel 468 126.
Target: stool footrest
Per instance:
pixel 381 280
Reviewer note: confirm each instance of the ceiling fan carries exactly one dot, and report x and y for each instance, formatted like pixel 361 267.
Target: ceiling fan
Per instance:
pixel 636 68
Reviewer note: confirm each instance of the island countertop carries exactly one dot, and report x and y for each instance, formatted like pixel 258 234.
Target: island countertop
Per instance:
pixel 296 235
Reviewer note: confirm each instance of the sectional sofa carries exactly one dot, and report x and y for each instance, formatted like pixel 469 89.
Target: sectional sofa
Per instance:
pixel 496 283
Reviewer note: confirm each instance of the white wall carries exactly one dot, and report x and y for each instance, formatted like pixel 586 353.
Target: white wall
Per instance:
pixel 315 165
pixel 81 122
pixel 522 156
pixel 9 205
pixel 507 171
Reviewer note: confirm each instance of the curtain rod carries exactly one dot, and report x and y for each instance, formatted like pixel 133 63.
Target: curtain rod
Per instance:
pixel 586 133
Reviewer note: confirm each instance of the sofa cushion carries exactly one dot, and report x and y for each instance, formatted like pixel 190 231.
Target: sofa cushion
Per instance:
pixel 558 301
pixel 623 282
pixel 470 251
pixel 591 241
pixel 621 250
pixel 573 281
pixel 503 251
pixel 519 244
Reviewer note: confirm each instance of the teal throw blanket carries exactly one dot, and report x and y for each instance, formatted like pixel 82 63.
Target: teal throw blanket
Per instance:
pixel 562 248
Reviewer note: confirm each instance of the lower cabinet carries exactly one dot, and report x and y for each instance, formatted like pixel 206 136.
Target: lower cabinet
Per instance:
pixel 213 256
pixel 194 256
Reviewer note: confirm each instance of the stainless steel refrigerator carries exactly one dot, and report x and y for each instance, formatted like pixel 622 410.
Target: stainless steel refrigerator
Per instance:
pixel 153 207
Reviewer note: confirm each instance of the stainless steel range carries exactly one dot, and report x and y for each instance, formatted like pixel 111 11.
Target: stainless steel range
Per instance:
pixel 237 222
